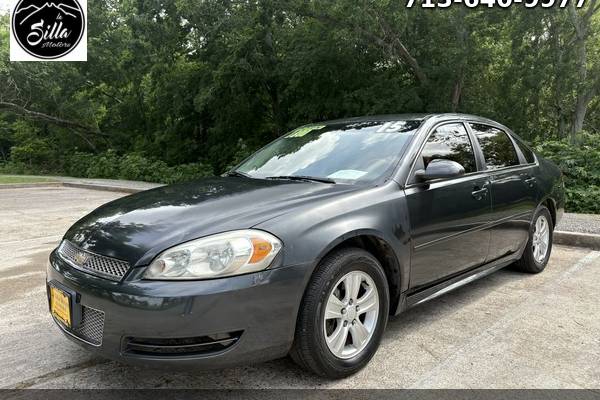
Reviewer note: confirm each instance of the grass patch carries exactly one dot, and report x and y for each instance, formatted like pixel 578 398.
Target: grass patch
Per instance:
pixel 8 179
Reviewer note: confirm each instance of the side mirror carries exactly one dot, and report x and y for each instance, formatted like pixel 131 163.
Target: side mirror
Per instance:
pixel 438 168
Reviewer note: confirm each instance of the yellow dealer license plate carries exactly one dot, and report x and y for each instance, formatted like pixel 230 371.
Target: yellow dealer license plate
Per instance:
pixel 60 305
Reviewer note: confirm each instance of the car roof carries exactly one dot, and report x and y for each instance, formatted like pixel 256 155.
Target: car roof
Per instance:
pixel 411 117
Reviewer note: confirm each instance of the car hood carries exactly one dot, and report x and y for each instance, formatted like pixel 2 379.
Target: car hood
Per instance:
pixel 138 227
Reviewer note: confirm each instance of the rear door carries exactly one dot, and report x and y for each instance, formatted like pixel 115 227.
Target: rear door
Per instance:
pixel 448 217
pixel 513 189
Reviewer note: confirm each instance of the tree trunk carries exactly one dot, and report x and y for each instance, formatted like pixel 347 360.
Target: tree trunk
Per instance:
pixel 562 124
pixel 458 85
pixel 559 77
pixel 585 90
pixel 582 92
pixel 578 117
pixel 462 37
pixel 583 101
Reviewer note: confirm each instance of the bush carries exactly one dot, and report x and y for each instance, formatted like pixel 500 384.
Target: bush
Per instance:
pixel 109 165
pixel 17 168
pixel 133 166
pixel 106 165
pixel 584 200
pixel 33 152
pixel 187 172
pixel 78 164
pixel 136 167
pixel 580 164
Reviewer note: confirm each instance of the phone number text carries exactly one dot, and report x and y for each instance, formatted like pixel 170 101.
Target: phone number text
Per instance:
pixel 494 3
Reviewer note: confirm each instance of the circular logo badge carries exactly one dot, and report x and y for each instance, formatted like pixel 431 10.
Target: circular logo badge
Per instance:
pixel 48 29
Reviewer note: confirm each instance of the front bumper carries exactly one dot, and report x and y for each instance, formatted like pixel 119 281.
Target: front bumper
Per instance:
pixel 260 307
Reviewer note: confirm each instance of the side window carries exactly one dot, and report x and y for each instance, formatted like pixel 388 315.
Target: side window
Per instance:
pixel 496 146
pixel 527 153
pixel 449 142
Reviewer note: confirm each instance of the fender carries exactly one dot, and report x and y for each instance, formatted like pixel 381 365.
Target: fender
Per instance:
pixel 369 212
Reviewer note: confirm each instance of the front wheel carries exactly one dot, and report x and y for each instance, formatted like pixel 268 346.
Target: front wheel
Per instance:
pixel 537 252
pixel 343 314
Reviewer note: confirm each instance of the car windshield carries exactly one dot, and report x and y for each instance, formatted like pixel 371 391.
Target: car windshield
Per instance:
pixel 345 152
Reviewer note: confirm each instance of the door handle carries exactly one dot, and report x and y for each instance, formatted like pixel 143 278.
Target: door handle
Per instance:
pixel 530 181
pixel 479 193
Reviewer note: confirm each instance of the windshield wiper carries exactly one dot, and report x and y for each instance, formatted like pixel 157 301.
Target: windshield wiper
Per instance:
pixel 302 178
pixel 237 173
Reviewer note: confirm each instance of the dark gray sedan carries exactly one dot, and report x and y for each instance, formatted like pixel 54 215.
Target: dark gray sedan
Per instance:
pixel 308 246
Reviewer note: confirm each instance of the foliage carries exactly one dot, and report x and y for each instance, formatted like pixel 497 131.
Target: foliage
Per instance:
pixel 580 165
pixel 180 88
pixel 131 166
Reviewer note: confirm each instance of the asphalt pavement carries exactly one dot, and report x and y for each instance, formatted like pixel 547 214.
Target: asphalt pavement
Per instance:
pixel 508 330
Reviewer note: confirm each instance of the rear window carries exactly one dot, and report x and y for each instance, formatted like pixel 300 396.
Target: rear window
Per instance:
pixel 497 148
pixel 527 153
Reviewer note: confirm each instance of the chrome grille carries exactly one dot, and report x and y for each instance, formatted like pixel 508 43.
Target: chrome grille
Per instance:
pixel 91 327
pixel 95 264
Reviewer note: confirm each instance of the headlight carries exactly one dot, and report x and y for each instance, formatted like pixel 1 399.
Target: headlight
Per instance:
pixel 224 254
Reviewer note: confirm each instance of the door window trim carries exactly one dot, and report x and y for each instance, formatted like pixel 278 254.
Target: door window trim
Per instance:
pixel 478 159
pixel 516 141
pixel 481 167
pixel 520 156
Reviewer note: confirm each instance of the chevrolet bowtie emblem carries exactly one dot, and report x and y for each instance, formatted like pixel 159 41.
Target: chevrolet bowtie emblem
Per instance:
pixel 81 258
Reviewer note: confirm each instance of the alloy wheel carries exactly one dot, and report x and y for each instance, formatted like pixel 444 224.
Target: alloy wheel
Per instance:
pixel 541 239
pixel 351 314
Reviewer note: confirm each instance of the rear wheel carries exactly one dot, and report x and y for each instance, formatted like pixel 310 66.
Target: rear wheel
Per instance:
pixel 343 314
pixel 537 252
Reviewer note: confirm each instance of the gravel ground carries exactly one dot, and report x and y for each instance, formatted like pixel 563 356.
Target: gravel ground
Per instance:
pixel 585 223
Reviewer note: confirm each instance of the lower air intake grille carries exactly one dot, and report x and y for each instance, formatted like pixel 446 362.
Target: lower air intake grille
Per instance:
pixel 91 327
pixel 181 346
pixel 92 263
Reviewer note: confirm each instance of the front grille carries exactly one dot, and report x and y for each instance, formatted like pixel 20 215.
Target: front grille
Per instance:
pixel 91 327
pixel 95 264
pixel 200 345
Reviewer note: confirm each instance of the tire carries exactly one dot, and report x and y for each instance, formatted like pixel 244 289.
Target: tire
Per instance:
pixel 311 349
pixel 532 262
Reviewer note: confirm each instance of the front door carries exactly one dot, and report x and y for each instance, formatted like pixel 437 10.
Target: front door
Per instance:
pixel 449 218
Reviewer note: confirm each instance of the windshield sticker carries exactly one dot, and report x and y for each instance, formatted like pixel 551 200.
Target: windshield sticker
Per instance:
pixel 303 130
pixel 347 174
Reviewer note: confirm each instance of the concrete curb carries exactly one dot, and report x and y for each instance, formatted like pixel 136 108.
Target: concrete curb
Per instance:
pixel 577 239
pixel 108 188
pixel 121 189
pixel 30 185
